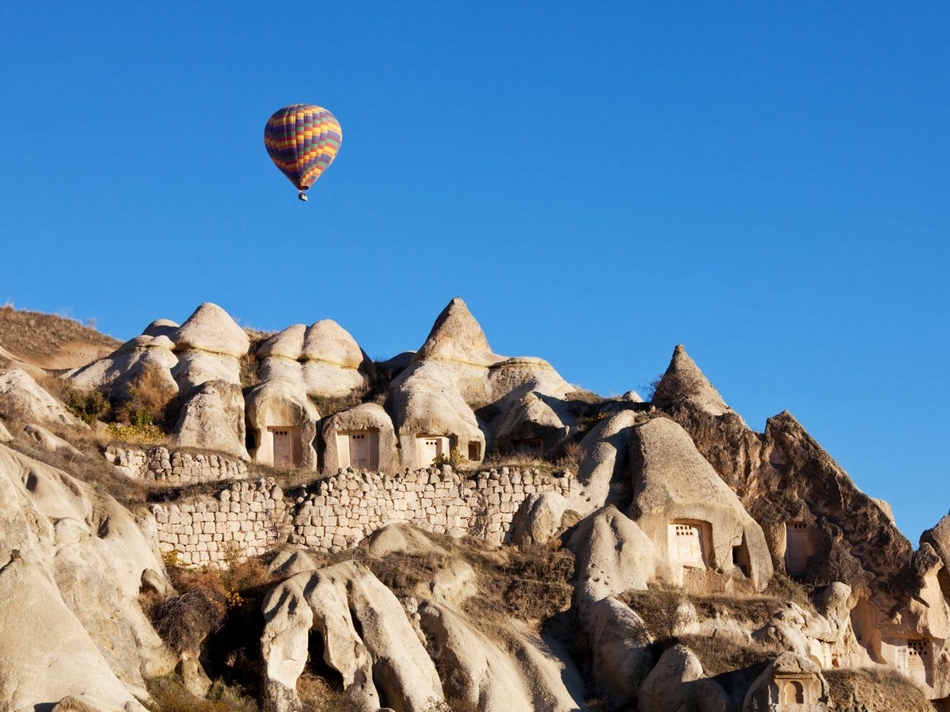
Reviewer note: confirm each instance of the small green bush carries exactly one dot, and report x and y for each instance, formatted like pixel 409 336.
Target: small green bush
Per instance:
pixel 455 458
pixel 88 406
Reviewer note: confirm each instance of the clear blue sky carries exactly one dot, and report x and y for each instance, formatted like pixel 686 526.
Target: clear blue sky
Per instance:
pixel 766 183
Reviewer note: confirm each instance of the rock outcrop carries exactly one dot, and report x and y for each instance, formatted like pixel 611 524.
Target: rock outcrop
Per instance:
pixel 683 382
pixel 621 647
pixel 72 563
pixel 613 555
pixel 118 372
pixel 381 662
pixel 320 360
pixel 209 345
pixel 23 399
pixel 694 540
pixel 939 538
pixel 676 684
pixel 213 418
pixel 694 520
pixel 605 462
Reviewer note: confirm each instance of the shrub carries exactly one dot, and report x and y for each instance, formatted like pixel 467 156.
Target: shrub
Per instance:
pixel 184 621
pixel 151 401
pixel 317 695
pixel 217 613
pixel 147 433
pixel 226 587
pixel 170 695
pixel 88 406
pixel 659 608
pixel 455 458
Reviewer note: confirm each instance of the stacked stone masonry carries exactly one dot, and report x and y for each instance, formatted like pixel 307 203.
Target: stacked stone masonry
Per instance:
pixel 161 466
pixel 244 519
pixel 337 512
pixel 343 509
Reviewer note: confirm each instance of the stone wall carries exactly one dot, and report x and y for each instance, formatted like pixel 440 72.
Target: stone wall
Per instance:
pixel 159 465
pixel 244 519
pixel 343 509
pixel 249 518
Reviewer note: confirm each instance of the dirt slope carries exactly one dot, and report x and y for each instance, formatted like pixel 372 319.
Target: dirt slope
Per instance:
pixel 49 341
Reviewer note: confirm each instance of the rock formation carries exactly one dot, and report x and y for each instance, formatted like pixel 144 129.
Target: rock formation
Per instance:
pixel 22 398
pixel 213 417
pixel 320 360
pixel 208 345
pixel 692 517
pixel 449 528
pixel 119 371
pixel 72 563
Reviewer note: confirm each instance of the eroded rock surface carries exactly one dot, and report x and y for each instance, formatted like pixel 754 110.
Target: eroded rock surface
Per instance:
pixel 382 660
pixel 23 399
pixel 71 566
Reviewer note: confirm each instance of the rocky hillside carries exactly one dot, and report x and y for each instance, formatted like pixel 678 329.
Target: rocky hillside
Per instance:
pixel 204 518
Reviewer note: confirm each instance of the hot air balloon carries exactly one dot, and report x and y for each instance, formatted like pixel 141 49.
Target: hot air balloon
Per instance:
pixel 302 140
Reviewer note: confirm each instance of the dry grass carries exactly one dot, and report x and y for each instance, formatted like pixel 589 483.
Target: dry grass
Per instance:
pixel 531 584
pixel 784 588
pixel 89 466
pixel 34 336
pixel 404 573
pixel 151 401
pixel 660 609
pixel 169 695
pixel 516 461
pixel 877 689
pixel 218 611
pixel 318 695
pixel 720 656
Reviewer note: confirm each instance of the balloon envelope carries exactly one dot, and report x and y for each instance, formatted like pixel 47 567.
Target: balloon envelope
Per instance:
pixel 302 140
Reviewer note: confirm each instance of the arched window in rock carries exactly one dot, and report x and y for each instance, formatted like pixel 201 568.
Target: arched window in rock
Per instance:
pixel 793 692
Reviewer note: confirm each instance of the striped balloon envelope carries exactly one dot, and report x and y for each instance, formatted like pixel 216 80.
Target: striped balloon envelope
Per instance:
pixel 302 140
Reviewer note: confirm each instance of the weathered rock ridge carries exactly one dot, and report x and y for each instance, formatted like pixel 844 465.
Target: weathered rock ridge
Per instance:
pixel 447 529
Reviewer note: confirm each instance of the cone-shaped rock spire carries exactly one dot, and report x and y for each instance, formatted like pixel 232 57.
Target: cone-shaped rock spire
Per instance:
pixel 456 336
pixel 683 382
